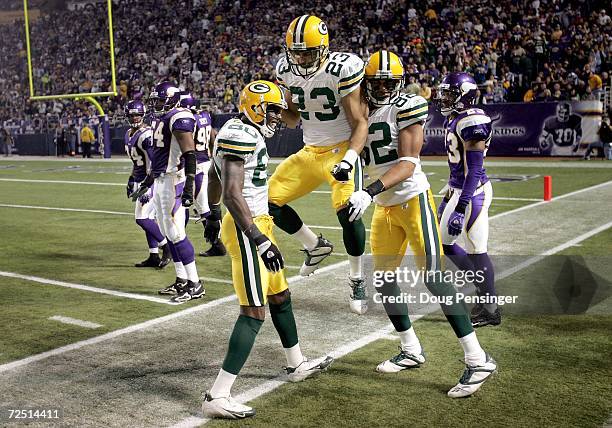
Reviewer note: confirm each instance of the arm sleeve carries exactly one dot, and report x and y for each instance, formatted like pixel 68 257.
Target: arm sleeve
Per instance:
pixel 414 111
pixel 474 128
pixel 182 121
pixel 237 144
pixel 351 75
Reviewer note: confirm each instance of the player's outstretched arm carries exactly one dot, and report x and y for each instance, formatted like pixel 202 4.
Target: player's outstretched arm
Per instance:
pixel 409 150
pixel 213 222
pixel 356 111
pixel 233 182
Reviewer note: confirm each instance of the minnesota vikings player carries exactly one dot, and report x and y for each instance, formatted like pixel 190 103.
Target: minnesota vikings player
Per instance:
pixel 204 137
pixel 465 208
pixel 173 173
pixel 138 141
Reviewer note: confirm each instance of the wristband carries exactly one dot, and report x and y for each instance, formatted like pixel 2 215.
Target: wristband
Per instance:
pixel 375 188
pixel 190 163
pixel 460 208
pixel 215 212
pixel 254 234
pixel 350 156
pixel 411 159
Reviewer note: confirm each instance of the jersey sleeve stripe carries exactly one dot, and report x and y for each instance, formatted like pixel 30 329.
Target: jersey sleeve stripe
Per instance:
pixel 402 123
pixel 233 150
pixel 348 78
pixel 236 143
pixel 351 83
pixel 412 109
pixel 348 88
pixel 408 115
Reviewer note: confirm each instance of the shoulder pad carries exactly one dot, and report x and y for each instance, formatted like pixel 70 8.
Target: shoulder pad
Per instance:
pixel 411 109
pixel 350 73
pixel 236 138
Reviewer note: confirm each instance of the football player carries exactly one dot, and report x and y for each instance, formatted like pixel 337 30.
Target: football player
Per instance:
pixel 324 92
pixel 465 208
pixel 138 147
pixel 404 216
pixel 239 175
pixel 204 137
pixel 173 173
pixel 561 134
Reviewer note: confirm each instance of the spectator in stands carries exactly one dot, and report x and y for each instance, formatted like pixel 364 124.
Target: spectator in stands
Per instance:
pixel 60 141
pixel 87 139
pixel 605 140
pixel 5 141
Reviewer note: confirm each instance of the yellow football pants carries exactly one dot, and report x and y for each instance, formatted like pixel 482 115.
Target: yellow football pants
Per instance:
pixel 252 281
pixel 413 223
pixel 304 171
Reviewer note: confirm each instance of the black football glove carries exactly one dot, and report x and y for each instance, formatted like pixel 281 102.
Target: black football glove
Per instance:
pixel 187 196
pixel 130 186
pixel 144 187
pixel 342 171
pixel 271 255
pixel 213 224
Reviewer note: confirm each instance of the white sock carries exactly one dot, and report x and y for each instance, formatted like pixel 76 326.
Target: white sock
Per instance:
pixel 162 243
pixel 223 384
pixel 307 237
pixel 180 270
pixel 154 250
pixel 192 272
pixel 410 341
pixel 355 266
pixel 474 355
pixel 294 355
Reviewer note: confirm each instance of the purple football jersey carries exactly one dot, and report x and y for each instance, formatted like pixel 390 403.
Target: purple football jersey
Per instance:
pixel 202 136
pixel 469 125
pixel 138 147
pixel 166 150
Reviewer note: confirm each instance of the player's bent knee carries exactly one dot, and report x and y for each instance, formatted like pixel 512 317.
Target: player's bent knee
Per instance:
pixel 279 298
pixel 257 312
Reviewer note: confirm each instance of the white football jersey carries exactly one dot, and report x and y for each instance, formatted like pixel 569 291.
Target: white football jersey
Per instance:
pixel 318 97
pixel 384 125
pixel 237 138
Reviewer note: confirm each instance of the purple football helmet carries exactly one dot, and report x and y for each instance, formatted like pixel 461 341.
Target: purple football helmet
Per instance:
pixel 164 97
pixel 188 101
pixel 135 111
pixel 456 92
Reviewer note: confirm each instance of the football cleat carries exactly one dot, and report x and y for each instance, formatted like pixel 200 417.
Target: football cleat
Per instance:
pixel 308 368
pixel 315 256
pixel 225 407
pixel 358 297
pixel 186 292
pixel 172 288
pixel 473 377
pixel 476 309
pixel 402 361
pixel 485 317
pixel 166 257
pixel 216 250
pixel 153 261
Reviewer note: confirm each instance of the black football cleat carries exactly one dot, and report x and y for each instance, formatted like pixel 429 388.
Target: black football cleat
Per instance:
pixel 190 290
pixel 166 257
pixel 476 310
pixel 172 289
pixel 216 250
pixel 487 318
pixel 153 262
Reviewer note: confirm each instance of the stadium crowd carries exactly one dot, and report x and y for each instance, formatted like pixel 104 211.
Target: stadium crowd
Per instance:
pixel 530 50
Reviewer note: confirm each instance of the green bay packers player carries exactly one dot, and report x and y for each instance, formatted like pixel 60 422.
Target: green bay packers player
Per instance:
pixel 324 92
pixel 239 175
pixel 405 216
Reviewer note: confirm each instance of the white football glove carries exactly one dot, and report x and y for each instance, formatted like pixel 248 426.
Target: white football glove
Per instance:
pixel 358 204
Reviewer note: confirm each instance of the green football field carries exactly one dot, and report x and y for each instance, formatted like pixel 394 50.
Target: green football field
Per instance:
pixel 69 243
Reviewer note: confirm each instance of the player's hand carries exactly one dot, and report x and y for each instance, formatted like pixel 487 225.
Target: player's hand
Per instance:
pixel 455 223
pixel 145 198
pixel 142 190
pixel 213 224
pixel 187 195
pixel 271 255
pixel 358 204
pixel 130 186
pixel 342 171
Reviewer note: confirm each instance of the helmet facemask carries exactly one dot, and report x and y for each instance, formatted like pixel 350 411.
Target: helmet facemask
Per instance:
pixel 382 91
pixel 271 114
pixel 306 61
pixel 136 120
pixel 448 99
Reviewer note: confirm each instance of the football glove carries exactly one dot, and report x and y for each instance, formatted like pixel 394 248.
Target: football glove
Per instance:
pixel 358 204
pixel 145 198
pixel 213 224
pixel 187 195
pixel 342 171
pixel 271 255
pixel 455 223
pixel 130 186
pixel 144 187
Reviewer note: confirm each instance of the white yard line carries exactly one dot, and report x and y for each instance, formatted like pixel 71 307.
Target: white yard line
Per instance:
pixel 79 210
pixel 74 321
pixel 93 183
pixel 86 288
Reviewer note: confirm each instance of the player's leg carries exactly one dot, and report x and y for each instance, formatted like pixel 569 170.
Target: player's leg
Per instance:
pixel 388 241
pixel 144 213
pixel 425 242
pixel 477 235
pixel 353 232
pixel 452 250
pixel 295 177
pixel 201 207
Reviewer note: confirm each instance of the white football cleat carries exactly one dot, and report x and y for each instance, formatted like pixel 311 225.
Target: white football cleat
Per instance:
pixel 315 256
pixel 358 296
pixel 308 368
pixel 225 407
pixel 402 361
pixel 473 377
